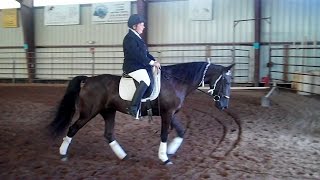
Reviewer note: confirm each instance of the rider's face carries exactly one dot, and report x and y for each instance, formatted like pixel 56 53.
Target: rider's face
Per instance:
pixel 139 28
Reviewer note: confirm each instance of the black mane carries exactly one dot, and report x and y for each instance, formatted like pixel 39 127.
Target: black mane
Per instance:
pixel 185 72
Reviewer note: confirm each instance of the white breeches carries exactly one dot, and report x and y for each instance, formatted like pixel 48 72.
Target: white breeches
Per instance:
pixel 140 75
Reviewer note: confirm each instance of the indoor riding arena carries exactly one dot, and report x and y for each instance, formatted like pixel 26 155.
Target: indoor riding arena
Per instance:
pixel 270 130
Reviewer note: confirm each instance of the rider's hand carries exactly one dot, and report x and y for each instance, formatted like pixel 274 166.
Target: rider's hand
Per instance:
pixel 157 64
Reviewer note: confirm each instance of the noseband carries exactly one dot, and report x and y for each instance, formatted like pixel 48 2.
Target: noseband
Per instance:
pixel 216 97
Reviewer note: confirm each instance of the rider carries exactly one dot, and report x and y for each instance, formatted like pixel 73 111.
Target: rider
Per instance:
pixel 138 62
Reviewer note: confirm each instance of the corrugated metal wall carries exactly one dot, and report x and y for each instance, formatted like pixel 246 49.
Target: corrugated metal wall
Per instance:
pixel 68 62
pixel 102 34
pixel 11 36
pixel 12 61
pixel 169 23
pixel 296 21
pixel 292 20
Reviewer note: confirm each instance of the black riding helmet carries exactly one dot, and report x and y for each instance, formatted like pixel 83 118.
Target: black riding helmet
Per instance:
pixel 135 19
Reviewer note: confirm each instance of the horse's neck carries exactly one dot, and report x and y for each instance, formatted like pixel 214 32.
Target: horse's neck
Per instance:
pixel 185 77
pixel 198 78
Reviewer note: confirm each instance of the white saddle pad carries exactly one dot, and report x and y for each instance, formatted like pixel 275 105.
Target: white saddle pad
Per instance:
pixel 127 87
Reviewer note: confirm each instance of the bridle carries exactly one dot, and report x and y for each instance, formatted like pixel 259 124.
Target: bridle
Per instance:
pixel 204 74
pixel 211 91
pixel 216 97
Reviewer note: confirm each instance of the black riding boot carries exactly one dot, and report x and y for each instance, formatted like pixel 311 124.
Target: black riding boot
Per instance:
pixel 136 100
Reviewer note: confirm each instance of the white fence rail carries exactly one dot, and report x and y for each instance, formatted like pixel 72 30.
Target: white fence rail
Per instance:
pixel 67 64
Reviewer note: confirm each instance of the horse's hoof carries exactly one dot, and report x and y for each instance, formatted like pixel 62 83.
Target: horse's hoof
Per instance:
pixel 125 158
pixel 168 162
pixel 64 158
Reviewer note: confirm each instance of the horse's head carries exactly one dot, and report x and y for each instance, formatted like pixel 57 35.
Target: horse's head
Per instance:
pixel 220 88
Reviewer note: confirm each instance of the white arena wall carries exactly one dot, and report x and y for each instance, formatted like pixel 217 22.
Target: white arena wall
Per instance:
pixel 172 37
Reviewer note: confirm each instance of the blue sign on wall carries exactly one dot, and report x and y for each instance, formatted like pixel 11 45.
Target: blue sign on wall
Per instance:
pixel 256 45
pixel 25 46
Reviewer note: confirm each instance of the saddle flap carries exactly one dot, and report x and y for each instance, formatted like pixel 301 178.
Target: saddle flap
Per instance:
pixel 127 88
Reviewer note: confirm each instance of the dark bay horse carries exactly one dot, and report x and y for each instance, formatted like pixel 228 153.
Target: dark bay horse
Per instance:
pixel 99 95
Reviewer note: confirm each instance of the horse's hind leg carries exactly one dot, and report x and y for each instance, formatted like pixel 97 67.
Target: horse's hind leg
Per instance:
pixel 83 119
pixel 109 118
pixel 177 141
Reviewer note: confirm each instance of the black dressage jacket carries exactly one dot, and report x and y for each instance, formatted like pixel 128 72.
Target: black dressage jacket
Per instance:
pixel 136 54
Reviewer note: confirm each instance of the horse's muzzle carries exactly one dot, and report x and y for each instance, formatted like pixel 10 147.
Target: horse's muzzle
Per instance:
pixel 222 107
pixel 222 104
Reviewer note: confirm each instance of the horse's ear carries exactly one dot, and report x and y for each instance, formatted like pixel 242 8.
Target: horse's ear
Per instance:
pixel 229 67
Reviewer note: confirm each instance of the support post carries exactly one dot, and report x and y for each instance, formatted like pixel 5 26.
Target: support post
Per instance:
pixel 142 9
pixel 27 18
pixel 257 39
pixel 285 63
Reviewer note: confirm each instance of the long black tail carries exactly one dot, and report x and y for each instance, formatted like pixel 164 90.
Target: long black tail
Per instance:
pixel 66 108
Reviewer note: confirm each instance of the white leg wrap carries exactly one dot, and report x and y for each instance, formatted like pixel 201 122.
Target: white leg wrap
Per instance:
pixel 174 145
pixel 137 115
pixel 65 144
pixel 117 149
pixel 163 152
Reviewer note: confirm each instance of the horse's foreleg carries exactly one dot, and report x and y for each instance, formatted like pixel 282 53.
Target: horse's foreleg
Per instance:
pixel 64 147
pixel 177 141
pixel 162 154
pixel 109 117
